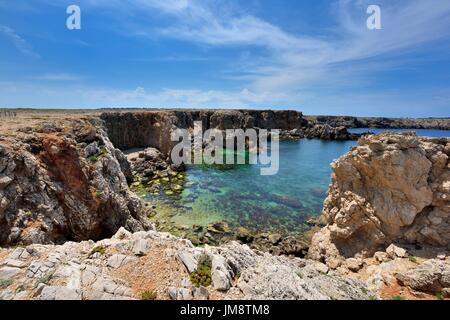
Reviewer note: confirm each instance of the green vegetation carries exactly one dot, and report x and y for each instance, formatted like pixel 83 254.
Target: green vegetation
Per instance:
pixel 398 298
pixel 98 249
pixel 5 283
pixel 203 275
pixel 45 279
pixel 99 155
pixel 413 259
pixel 149 295
pixel 441 295
pixel 373 298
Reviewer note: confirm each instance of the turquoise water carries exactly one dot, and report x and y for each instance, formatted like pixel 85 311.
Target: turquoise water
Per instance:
pixel 242 197
pixel 420 132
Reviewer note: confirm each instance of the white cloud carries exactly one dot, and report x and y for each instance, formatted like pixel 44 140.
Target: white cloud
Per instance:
pixel 58 77
pixel 292 68
pixel 20 43
pixel 291 60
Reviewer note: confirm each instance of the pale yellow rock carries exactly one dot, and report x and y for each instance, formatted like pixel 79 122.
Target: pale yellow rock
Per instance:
pixel 392 188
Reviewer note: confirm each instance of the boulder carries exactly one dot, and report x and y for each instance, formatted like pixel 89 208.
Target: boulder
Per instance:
pixel 389 189
pixel 432 276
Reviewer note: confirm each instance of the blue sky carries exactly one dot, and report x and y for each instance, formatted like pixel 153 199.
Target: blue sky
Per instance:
pixel 314 56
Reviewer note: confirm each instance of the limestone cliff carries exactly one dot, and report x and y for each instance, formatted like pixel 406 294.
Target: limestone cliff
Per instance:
pixel 391 188
pixel 152 128
pixel 60 183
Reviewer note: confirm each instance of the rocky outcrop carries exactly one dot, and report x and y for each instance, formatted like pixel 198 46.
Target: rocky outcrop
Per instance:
pixel 153 265
pixel 392 188
pixel 153 128
pixel 432 276
pixel 327 132
pixel 384 123
pixel 60 183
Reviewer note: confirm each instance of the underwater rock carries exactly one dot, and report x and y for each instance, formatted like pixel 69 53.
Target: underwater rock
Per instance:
pixel 274 238
pixel 244 235
pixel 219 227
pixel 287 201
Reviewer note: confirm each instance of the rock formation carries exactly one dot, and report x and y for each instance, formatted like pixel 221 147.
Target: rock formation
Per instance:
pixel 327 132
pixel 64 183
pixel 392 188
pixel 384 123
pixel 153 128
pixel 157 265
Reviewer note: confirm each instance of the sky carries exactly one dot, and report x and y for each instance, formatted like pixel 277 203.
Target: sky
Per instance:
pixel 318 56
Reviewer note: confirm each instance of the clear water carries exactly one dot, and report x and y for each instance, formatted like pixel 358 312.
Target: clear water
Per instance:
pixel 420 132
pixel 240 196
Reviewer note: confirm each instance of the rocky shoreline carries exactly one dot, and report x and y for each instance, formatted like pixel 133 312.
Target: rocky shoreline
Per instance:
pixel 383 234
pixel 382 123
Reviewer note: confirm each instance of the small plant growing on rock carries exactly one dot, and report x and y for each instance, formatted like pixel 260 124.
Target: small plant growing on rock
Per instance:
pixel 93 158
pixel 149 295
pixel 99 155
pixel 98 249
pixel 397 298
pixel 441 295
pixel 202 277
pixel 5 283
pixel 45 279
pixel 413 259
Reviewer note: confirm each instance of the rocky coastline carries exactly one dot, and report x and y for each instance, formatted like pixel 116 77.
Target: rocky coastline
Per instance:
pixel 380 122
pixel 72 228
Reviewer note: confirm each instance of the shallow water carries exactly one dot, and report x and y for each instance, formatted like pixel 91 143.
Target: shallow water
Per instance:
pixel 240 196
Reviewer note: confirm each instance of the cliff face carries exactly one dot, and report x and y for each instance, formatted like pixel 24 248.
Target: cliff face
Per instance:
pixel 59 184
pixel 152 128
pixel 391 188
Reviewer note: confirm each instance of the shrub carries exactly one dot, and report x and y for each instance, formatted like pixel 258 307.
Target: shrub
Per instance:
pixel 441 295
pixel 149 295
pixel 93 158
pixel 413 259
pixel 202 276
pixel 5 283
pixel 398 298
pixel 44 279
pixel 98 249
pixel 99 155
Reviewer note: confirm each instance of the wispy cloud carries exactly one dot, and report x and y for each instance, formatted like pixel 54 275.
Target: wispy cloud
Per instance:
pixel 293 61
pixel 20 43
pixel 287 68
pixel 58 77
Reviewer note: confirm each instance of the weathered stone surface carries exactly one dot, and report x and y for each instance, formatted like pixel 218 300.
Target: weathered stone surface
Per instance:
pixel 53 188
pixel 141 247
pixel 69 271
pixel 189 259
pixel 59 293
pixel 432 276
pixel 389 189
pixel 394 251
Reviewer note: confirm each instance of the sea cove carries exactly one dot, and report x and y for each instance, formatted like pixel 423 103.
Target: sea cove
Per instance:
pixel 216 204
